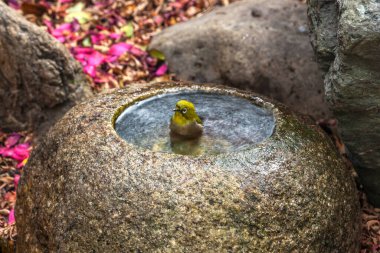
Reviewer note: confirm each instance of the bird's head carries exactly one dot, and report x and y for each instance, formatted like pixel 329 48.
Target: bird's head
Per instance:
pixel 185 109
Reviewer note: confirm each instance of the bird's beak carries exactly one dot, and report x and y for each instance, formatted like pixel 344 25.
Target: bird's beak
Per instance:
pixel 176 110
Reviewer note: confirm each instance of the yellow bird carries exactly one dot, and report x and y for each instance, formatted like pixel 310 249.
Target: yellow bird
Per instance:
pixel 185 122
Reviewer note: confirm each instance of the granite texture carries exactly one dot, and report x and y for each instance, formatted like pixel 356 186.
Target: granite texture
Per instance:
pixel 346 39
pixel 39 79
pixel 87 190
pixel 258 45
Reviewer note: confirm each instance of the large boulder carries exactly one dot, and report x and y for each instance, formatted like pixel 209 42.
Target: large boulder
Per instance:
pixel 259 45
pixel 85 189
pixel 346 38
pixel 39 79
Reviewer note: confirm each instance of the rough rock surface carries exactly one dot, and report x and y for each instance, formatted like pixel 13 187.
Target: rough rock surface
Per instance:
pixel 260 45
pixel 39 80
pixel 87 190
pixel 346 38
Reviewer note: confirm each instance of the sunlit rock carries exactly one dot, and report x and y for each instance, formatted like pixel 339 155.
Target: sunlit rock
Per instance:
pixel 86 189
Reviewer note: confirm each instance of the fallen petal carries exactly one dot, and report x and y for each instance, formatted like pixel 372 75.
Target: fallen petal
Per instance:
pixel 96 59
pixel 11 217
pixel 119 48
pixel 16 180
pixel 12 140
pixel 22 164
pixel 90 70
pixel 137 51
pixel 161 70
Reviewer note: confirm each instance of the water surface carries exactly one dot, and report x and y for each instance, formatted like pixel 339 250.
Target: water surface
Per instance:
pixel 230 123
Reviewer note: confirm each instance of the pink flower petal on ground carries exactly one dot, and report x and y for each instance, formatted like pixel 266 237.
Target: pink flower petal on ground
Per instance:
pixel 90 70
pixel 158 19
pixel 161 70
pixel 137 51
pixel 16 180
pixel 82 58
pixel 49 25
pixel 61 39
pixel 12 140
pixel 22 163
pixel 83 50
pixel 112 58
pixel 115 36
pixel 100 27
pixel 6 152
pixel 96 59
pixel 21 152
pixel 11 217
pixel 97 38
pixel 14 4
pixel 119 48
pixel 63 27
pixel 65 1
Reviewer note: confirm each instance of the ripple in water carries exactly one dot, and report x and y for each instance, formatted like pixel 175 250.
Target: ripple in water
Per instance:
pixel 230 123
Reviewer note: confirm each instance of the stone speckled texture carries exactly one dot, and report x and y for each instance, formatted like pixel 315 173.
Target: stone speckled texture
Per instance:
pixel 352 83
pixel 87 190
pixel 39 79
pixel 258 45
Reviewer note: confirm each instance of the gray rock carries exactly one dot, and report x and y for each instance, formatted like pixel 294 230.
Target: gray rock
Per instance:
pixel 348 34
pixel 87 190
pixel 39 79
pixel 259 45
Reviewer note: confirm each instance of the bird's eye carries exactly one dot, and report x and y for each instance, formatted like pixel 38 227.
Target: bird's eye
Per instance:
pixel 184 110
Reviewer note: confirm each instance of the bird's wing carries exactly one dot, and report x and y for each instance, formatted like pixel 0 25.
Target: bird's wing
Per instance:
pixel 199 120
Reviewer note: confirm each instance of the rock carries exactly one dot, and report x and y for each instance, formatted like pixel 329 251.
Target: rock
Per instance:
pixel 346 38
pixel 87 190
pixel 39 79
pixel 258 45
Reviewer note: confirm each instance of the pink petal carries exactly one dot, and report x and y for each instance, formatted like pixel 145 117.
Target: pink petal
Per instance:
pixel 14 4
pixel 81 57
pixel 177 5
pixel 65 1
pixel 16 180
pixel 100 27
pixel 114 36
pixel 49 25
pixel 137 51
pixel 6 151
pixel 90 70
pixel 112 58
pixel 61 39
pixel 21 152
pixel 83 50
pixel 12 140
pixel 161 70
pixel 158 19
pixel 64 27
pixel 11 217
pixel 119 49
pixel 95 39
pixel 96 59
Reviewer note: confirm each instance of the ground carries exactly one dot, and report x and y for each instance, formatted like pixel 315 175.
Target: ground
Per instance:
pixel 109 38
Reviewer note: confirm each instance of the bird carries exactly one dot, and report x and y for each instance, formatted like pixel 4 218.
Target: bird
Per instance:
pixel 185 122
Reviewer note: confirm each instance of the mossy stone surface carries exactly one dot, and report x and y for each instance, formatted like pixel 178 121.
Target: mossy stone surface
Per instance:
pixel 85 189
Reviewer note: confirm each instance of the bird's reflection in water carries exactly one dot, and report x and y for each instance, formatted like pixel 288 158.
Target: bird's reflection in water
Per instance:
pixel 194 147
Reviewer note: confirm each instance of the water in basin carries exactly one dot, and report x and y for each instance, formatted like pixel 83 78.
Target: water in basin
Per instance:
pixel 230 123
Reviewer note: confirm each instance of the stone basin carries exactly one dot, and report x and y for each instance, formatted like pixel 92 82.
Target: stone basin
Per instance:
pixel 86 189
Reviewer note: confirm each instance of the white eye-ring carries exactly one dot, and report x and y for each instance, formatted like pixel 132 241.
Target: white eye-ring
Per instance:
pixel 184 110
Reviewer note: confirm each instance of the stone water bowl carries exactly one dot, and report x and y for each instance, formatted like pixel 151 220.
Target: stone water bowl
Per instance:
pixel 107 179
